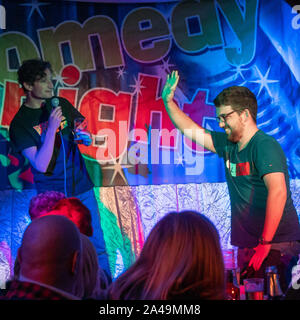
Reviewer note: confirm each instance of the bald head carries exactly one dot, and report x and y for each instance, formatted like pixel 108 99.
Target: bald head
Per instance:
pixel 49 250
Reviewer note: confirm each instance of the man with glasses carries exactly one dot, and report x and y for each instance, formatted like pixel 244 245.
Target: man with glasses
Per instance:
pixel 264 222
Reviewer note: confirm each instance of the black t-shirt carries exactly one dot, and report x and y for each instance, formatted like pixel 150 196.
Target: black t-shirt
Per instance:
pixel 248 194
pixel 28 129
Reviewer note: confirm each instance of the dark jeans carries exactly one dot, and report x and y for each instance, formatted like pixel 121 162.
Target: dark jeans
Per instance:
pixel 89 200
pixel 283 255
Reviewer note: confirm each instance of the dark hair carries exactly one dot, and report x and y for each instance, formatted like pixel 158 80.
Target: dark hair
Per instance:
pixel 43 203
pixel 239 98
pixel 181 259
pixel 32 70
pixel 77 212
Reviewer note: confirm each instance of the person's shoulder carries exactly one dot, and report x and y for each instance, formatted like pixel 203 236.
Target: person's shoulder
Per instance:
pixel 262 137
pixel 265 146
pixel 20 112
pixel 18 118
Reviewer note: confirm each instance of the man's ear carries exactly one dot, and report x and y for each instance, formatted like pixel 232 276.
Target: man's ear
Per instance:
pixel 27 86
pixel 247 113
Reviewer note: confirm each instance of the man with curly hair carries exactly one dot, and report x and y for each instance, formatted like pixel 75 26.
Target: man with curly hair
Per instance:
pixel 45 134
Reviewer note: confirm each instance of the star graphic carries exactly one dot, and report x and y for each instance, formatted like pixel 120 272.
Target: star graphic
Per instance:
pixel 118 168
pixel 137 86
pixel 180 160
pixel 59 81
pixel 239 71
pixel 121 73
pixel 35 5
pixel 166 65
pixel 264 81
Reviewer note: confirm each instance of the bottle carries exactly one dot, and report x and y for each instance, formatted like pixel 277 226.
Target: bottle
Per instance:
pixel 273 287
pixel 232 287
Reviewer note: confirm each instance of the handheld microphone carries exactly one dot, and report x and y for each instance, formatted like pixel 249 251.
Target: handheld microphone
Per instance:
pixel 54 102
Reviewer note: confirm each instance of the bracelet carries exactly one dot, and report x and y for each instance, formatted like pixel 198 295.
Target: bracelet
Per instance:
pixel 262 241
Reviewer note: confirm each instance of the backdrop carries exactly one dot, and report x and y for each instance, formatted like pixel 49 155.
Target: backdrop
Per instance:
pixel 110 60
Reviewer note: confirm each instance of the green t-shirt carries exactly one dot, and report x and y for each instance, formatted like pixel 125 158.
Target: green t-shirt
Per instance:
pixel 248 194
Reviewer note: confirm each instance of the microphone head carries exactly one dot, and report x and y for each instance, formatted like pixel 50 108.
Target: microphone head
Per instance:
pixel 54 102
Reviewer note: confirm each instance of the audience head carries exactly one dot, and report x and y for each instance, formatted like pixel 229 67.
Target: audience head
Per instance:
pixel 50 252
pixel 91 281
pixel 76 211
pixel 43 203
pixel 181 259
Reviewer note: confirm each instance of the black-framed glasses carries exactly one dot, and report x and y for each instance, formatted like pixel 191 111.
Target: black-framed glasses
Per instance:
pixel 223 117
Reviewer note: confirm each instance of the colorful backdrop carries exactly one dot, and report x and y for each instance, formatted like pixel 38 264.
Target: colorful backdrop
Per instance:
pixel 110 60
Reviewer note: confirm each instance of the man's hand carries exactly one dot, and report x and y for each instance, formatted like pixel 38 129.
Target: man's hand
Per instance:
pixel 83 137
pixel 170 86
pixel 261 252
pixel 40 158
pixel 55 119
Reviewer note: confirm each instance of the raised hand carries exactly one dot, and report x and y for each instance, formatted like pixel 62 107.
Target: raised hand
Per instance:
pixel 170 86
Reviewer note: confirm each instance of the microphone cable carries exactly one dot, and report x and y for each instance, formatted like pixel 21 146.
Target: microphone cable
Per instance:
pixel 54 104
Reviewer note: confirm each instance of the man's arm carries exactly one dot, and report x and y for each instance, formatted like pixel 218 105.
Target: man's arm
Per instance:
pixel 40 159
pixel 277 195
pixel 180 120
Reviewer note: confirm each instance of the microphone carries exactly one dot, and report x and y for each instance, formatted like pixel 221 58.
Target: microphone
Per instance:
pixel 54 102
